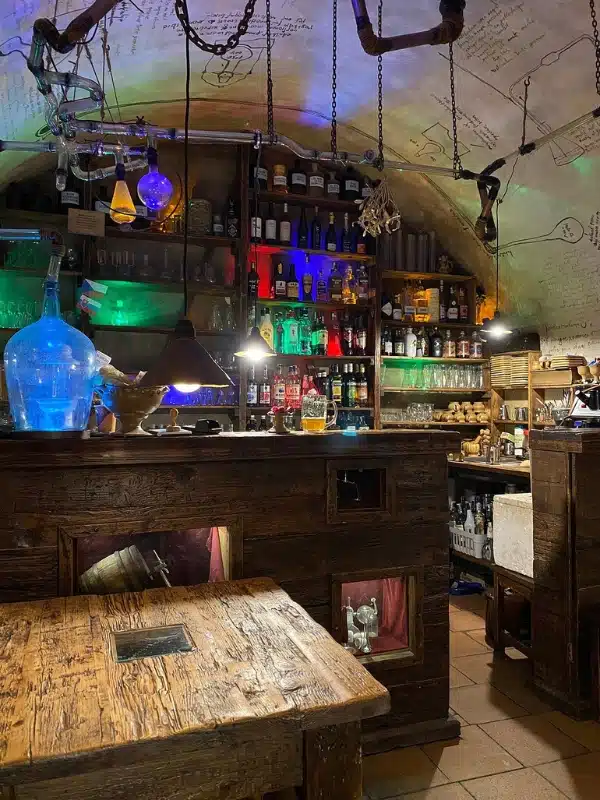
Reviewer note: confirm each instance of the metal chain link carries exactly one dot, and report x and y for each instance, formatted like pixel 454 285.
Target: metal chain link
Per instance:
pixel 526 84
pixel 334 81
pixel 270 115
pixel 380 163
pixel 217 49
pixel 456 162
pixel 596 43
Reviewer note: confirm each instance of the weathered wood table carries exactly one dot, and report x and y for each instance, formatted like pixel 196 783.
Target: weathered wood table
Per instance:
pixel 257 697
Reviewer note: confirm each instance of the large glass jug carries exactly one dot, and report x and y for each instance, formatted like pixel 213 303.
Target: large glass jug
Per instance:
pixel 50 368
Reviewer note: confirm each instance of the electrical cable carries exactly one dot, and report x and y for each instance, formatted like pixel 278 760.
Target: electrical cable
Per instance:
pixel 186 147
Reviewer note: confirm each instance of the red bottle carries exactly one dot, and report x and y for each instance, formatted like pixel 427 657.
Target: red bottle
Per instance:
pixel 334 342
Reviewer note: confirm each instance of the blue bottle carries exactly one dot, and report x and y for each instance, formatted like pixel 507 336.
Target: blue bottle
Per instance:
pixel 50 369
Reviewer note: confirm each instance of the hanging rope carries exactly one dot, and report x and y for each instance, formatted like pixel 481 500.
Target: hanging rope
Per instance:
pixel 380 161
pixel 334 81
pixel 526 84
pixel 456 162
pixel 270 114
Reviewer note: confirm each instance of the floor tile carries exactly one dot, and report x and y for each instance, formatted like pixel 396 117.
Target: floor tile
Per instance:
pixel 533 740
pixel 479 636
pixel 473 755
pixel 398 772
pixel 586 733
pixel 466 621
pixel 468 602
pixel 486 667
pixel 463 722
pixel 452 791
pixel 482 703
pixel 524 784
pixel 516 688
pixel 461 644
pixel 457 679
pixel 578 778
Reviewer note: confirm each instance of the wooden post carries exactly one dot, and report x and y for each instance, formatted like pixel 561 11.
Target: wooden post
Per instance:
pixel 333 763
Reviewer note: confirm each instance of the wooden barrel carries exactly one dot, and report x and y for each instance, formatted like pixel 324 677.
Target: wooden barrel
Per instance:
pixel 122 571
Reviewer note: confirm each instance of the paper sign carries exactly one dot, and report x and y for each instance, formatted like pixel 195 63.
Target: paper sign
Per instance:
pixel 88 223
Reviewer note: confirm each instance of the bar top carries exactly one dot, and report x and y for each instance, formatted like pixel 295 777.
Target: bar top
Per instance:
pixel 251 659
pixel 567 440
pixel 119 450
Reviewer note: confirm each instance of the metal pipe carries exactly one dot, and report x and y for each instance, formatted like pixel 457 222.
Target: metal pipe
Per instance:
pixel 45 31
pixel 20 235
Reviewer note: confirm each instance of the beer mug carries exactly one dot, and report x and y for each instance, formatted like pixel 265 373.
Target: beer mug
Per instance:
pixel 313 415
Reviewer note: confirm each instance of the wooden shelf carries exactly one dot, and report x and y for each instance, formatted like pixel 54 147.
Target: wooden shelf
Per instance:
pixel 64 273
pixel 141 329
pixel 510 388
pixel 482 562
pixel 431 360
pixel 292 357
pixel 511 468
pixel 435 424
pixel 280 248
pixel 425 276
pixel 308 305
pixel 352 409
pixel 400 390
pixel 323 203
pixel 31 219
pixel 510 422
pixel 208 289
pixel 170 238
pixel 457 326
pixel 183 408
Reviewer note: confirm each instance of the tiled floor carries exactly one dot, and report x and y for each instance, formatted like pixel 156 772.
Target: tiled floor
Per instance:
pixel 512 746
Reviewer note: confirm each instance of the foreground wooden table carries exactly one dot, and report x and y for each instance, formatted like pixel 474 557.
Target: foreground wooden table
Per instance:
pixel 265 699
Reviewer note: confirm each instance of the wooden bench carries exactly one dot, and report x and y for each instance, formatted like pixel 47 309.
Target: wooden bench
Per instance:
pixel 256 698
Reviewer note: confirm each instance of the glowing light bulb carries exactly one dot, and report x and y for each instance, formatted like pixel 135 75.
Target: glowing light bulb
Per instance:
pixel 187 388
pixel 154 189
pixel 122 209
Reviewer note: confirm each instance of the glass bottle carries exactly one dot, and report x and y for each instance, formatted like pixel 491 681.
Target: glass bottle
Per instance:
pixel 399 347
pixel 346 235
pixel 307 283
pixel 334 338
pixel 316 181
pixel 50 368
pixel 258 175
pixel 253 281
pixel 351 188
pixel 279 282
pixel 271 226
pixel 449 350
pixel 335 381
pixel 252 424
pixel 463 348
pixel 362 387
pixel 291 334
pixel 348 291
pixel 443 306
pixel 280 179
pixel 256 227
pixel 252 388
pixel 452 311
pixel 331 236
pixel 264 390
pixel 278 392
pixel 315 231
pixel 362 284
pixel 361 336
pixel 218 228
pixel 278 333
pixel 335 284
pixel 70 197
pixel 409 303
pixel 421 303
pixel 410 343
pixel 266 328
pixel 476 348
pixel 233 220
pixel 463 304
pixel 366 188
pixel 298 178
pixel 322 290
pixel 292 388
pixel 292 287
pixel 350 387
pixel 305 334
pixel 387 347
pixel 303 230
pixel 347 335
pixel 422 343
pixel 333 187
pixel 285 227
pixel 437 344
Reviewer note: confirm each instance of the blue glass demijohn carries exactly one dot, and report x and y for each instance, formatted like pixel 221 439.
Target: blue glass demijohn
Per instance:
pixel 50 370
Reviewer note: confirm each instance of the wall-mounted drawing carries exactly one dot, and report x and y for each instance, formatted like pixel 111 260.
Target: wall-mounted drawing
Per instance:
pixel 235 66
pixel 569 230
pixel 438 143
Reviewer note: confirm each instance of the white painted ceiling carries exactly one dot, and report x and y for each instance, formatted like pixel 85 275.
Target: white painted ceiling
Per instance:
pixel 550 217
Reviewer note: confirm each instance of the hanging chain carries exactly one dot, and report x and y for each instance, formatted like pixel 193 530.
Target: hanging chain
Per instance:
pixel 334 81
pixel 380 161
pixel 526 84
pixel 456 162
pixel 217 49
pixel 596 43
pixel 270 116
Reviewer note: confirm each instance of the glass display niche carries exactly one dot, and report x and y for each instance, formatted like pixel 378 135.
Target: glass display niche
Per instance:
pixel 375 616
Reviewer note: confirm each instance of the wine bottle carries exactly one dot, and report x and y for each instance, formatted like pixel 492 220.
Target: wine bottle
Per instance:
pixel 351 184
pixel 293 287
pixel 285 227
pixel 271 226
pixel 279 281
pixel 233 220
pixel 347 236
pixel 333 187
pixel 452 312
pixel 298 178
pixel 331 238
pixel 316 181
pixel 253 281
pixel 303 230
pixel 315 231
pixel 256 228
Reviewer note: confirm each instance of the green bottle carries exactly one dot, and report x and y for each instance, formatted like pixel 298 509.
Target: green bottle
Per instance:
pixel 291 334
pixel 305 334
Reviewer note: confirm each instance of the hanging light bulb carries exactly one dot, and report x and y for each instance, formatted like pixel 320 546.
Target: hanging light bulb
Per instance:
pixel 255 348
pixel 122 209
pixel 154 189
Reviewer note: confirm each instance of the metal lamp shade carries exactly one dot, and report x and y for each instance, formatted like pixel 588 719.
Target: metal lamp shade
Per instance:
pixel 255 347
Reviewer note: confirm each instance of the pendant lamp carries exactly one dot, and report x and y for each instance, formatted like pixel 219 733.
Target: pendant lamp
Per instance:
pixel 497 328
pixel 255 348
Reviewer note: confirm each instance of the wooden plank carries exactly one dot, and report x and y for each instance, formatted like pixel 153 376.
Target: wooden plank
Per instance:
pixel 28 574
pixel 333 763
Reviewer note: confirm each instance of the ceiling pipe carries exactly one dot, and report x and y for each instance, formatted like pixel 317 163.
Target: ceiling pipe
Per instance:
pixel 447 31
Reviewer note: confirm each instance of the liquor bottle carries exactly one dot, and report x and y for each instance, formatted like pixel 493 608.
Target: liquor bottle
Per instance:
pixel 298 178
pixel 258 175
pixel 263 424
pixel 303 230
pixel 335 284
pixel 293 287
pixel 479 520
pixel 252 425
pixel 70 197
pixel 366 188
pixel 256 228
pixel 347 335
pixel 362 387
pixel 218 228
pixel 360 241
pixel 422 344
pixel 398 343
pixel 278 333
pixel 271 226
pixel 322 292
pixel 292 388
pixel 335 384
pixel 409 303
pixel 278 392
pixel 314 335
pixel 316 181
pixel 291 334
pixel 387 347
pixel 331 237
pixel 362 284
pixel 233 220
pixel 280 180
pixel 452 311
pixel 469 523
pixel 322 338
pixel 252 388
pixel 463 304
pixel 449 350
pixel 307 282
pixel 334 338
pixel 279 284
pixel 421 303
pixel 350 387
pixel 253 281
pixel 285 227
pixel 443 306
pixel 315 231
pixel 346 236
pixel 410 343
pixel 476 348
pixel 387 308
pixel 351 185
pixel 348 291
pixel 333 187
pixel 266 328
pixel 463 348
pixel 437 344
pixel 305 334
pixel 360 347
pixel 264 390
pixel 398 307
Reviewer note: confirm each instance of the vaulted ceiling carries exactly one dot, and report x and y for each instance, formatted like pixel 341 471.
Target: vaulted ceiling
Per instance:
pixel 549 218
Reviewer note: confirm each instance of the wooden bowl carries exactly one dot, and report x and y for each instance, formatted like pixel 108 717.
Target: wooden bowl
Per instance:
pixel 132 405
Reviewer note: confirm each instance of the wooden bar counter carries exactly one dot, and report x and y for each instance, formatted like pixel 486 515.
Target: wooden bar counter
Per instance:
pixel 352 527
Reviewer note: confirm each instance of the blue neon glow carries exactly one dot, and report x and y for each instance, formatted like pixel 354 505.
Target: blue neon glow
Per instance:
pixel 155 189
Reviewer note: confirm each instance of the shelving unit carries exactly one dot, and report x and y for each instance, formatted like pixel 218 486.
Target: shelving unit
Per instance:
pixel 334 255
pixel 323 203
